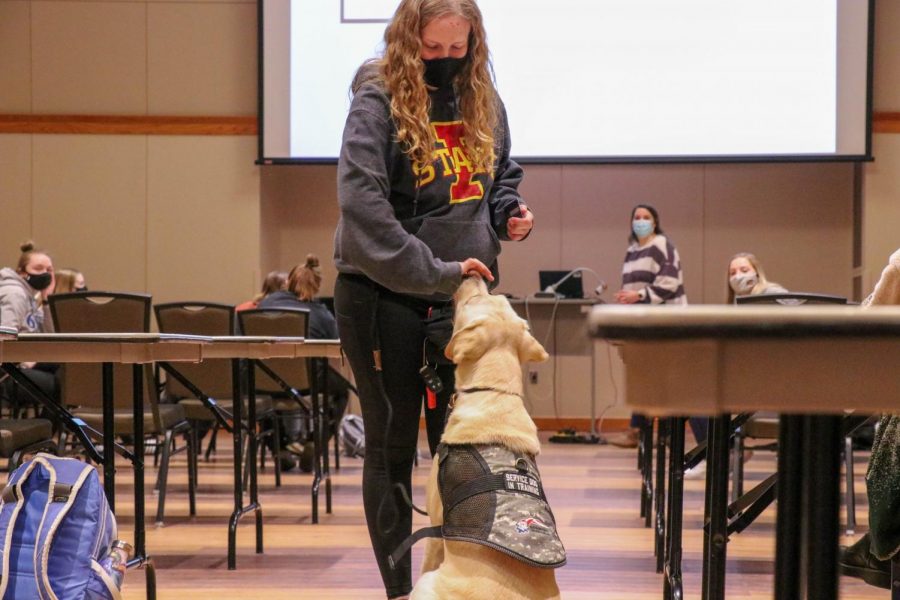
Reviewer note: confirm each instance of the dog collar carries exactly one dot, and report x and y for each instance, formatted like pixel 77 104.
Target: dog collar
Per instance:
pixel 471 390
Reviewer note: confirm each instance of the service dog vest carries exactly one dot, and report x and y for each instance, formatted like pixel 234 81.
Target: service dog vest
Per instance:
pixel 493 497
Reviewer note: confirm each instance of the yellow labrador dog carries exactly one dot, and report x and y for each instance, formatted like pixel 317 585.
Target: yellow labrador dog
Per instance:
pixel 485 467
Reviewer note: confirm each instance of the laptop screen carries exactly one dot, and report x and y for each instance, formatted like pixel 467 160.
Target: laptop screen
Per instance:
pixel 570 288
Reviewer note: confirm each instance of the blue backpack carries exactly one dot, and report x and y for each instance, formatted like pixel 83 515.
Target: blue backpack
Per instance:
pixel 56 525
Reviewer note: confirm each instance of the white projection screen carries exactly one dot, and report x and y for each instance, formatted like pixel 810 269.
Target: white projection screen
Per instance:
pixel 604 80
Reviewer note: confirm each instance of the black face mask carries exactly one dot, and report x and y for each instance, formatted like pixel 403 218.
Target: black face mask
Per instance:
pixel 439 72
pixel 40 281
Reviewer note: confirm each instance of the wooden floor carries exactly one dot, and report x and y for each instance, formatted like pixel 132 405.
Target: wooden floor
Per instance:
pixel 593 491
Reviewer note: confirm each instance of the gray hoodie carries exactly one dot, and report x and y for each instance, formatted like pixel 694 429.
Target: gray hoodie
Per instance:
pixel 408 233
pixel 18 307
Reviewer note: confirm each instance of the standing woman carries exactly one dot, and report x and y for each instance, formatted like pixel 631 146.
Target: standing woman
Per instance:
pixel 652 270
pixel 427 191
pixel 651 274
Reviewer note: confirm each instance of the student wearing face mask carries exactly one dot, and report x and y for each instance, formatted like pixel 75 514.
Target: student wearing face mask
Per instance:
pixel 427 191
pixel 23 294
pixel 747 278
pixel 651 274
pixel 24 290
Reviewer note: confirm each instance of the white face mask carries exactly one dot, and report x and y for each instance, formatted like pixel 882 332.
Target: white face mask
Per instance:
pixel 743 283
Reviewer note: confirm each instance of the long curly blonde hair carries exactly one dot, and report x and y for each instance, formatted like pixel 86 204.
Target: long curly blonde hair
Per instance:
pixel 402 73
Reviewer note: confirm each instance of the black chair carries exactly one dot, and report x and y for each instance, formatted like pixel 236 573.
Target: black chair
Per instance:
pixel 293 378
pixel 20 437
pixel 106 312
pixel 204 389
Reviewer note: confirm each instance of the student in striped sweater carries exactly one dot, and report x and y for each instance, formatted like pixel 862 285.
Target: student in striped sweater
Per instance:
pixel 652 270
pixel 651 275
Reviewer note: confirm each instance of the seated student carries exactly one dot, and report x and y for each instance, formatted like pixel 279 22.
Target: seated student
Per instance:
pixel 68 281
pixel 24 290
pixel 274 281
pixel 747 278
pixel 303 284
pixel 870 558
pixel 23 293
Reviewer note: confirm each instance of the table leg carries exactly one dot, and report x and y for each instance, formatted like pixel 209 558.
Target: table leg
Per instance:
pixel 141 559
pixel 822 504
pixel 646 459
pixel 252 440
pixel 716 510
pixel 109 436
pixel 660 533
pixel 237 430
pixel 788 525
pixel 138 399
pixel 673 587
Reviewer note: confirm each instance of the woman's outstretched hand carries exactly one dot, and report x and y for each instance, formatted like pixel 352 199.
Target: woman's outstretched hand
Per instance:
pixel 473 266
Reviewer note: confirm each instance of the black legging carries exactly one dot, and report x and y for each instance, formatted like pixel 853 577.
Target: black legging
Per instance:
pixel 370 316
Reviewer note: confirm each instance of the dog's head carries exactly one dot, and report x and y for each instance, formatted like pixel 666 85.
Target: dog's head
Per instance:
pixel 485 322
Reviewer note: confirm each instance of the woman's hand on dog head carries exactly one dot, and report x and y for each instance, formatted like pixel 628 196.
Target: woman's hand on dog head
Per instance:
pixel 474 267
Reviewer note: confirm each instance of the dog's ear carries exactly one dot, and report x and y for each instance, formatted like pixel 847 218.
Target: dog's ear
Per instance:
pixel 468 342
pixel 530 350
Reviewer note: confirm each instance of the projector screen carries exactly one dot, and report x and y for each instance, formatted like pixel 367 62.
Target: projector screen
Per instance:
pixel 604 80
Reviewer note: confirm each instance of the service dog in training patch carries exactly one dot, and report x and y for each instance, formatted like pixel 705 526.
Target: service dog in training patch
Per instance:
pixel 497 533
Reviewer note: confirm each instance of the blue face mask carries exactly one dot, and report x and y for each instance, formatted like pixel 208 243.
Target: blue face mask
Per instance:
pixel 642 227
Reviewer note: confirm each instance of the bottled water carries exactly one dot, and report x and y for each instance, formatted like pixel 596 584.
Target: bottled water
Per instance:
pixel 116 561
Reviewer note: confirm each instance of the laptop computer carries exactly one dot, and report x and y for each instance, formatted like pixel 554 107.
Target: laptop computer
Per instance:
pixel 570 288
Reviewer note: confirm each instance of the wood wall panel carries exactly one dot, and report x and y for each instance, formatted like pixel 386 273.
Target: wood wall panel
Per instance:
pixel 127 125
pixel 89 57
pixel 887 56
pixel 17 122
pixel 202 219
pixel 215 77
pixel 15 196
pixel 15 56
pixel 299 213
pixel 796 218
pixel 887 122
pixel 90 203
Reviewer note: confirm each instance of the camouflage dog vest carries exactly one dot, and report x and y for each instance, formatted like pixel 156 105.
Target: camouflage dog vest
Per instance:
pixel 493 497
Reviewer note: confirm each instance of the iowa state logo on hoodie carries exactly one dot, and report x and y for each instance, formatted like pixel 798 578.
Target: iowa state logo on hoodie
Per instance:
pixel 451 161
